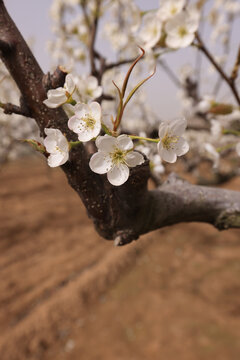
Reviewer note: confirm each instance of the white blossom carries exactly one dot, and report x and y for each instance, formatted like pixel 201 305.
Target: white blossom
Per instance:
pixel 57 146
pixel 119 39
pixel 88 88
pixel 171 143
pixel 170 8
pixel 181 29
pixel 87 121
pixel 114 157
pixel 59 96
pixel 150 32
pixel 205 104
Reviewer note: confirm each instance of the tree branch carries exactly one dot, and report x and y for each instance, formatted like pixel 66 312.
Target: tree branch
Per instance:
pixel 118 63
pixel 9 108
pixel 224 76
pixel 178 201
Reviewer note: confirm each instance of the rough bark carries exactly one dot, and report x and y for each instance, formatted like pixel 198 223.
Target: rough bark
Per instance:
pixel 119 213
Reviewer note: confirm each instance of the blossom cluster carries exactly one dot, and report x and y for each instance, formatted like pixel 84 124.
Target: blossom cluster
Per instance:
pixel 12 126
pixel 173 25
pixel 116 154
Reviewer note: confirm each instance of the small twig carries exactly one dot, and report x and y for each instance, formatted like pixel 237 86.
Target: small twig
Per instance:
pixel 231 84
pixel 93 29
pixel 235 69
pixel 170 73
pixel 9 108
pixel 226 51
pixel 119 63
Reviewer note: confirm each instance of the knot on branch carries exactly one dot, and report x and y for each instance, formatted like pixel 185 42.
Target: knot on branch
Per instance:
pixel 228 219
pixel 124 237
pixel 55 80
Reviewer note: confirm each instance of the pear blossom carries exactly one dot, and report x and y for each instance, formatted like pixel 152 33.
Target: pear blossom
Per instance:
pixel 57 146
pixel 119 39
pixel 61 95
pixel 87 121
pixel 150 32
pixel 88 88
pixel 169 8
pixel 171 143
pixel 181 29
pixel 114 157
pixel 205 104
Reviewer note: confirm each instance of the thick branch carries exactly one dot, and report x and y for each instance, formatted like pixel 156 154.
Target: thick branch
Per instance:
pixel 178 201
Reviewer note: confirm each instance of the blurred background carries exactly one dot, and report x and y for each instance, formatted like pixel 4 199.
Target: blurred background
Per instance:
pixel 66 293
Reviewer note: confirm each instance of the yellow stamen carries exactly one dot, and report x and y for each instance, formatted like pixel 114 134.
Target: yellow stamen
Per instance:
pixel 182 31
pixel 90 122
pixel 168 140
pixel 118 156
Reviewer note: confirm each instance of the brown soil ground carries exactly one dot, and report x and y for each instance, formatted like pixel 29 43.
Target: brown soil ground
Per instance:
pixel 65 293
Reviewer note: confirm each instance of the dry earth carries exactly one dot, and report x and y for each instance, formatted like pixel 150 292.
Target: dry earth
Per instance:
pixel 65 293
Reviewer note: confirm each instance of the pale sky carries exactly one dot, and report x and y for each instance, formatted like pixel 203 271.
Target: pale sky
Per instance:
pixel 33 20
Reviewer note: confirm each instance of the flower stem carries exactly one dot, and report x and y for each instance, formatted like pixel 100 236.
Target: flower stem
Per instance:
pixel 231 132
pixel 133 137
pixel 226 147
pixel 73 144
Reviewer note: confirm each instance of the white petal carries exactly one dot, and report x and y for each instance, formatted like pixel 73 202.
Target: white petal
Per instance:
pixel 50 144
pixel 63 144
pixel 96 110
pixel 50 131
pixel 50 104
pixel 57 159
pixel 106 143
pixel 163 127
pixel 50 140
pixel 69 83
pixel 87 134
pixel 118 175
pixel 181 147
pixel 172 42
pixel 134 158
pixel 97 92
pixel 124 142
pixel 178 126
pixel 187 40
pixel 81 110
pixel 100 163
pixel 167 155
pixel 56 93
pixel 172 25
pixel 75 124
pixel 92 82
